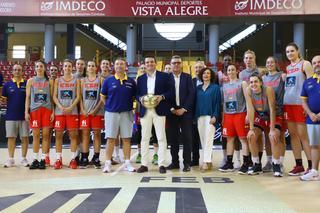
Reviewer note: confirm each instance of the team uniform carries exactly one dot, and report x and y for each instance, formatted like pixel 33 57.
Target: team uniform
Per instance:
pixel 116 108
pixel 67 92
pixel 119 94
pixel 245 74
pixel 277 84
pixel 77 75
pixel 293 110
pixel 234 108
pixel 91 98
pixel 262 111
pixel 223 78
pixel 15 94
pixel 40 103
pixel 310 91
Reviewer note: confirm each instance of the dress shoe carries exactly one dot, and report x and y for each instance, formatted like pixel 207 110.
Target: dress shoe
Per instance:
pixel 173 166
pixel 204 168
pixel 186 168
pixel 142 169
pixel 162 170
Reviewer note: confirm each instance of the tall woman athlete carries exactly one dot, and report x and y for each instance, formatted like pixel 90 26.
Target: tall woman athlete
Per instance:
pixel 38 111
pixel 297 72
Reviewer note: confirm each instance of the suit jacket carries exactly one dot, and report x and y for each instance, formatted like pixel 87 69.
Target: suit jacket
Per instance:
pixel 186 94
pixel 164 85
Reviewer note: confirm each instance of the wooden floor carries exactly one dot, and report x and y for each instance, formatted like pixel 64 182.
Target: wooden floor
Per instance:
pixel 90 190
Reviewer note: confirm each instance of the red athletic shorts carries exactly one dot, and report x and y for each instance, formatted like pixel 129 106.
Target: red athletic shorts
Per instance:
pixel 66 121
pixel 234 125
pixel 265 125
pixel 91 122
pixel 294 113
pixel 40 118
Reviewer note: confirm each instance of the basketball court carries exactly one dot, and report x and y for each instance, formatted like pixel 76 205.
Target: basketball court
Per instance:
pixel 90 190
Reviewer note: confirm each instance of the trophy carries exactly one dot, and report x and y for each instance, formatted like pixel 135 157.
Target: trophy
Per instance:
pixel 149 101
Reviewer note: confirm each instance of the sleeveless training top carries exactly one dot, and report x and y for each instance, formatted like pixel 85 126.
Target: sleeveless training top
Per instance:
pixel 90 93
pixel 77 75
pixel 233 98
pixel 275 81
pixel 223 78
pixel 40 94
pixel 67 91
pixel 245 74
pixel 294 82
pixel 260 104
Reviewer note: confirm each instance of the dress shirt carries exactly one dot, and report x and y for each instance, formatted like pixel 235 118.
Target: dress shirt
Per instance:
pixel 151 82
pixel 177 86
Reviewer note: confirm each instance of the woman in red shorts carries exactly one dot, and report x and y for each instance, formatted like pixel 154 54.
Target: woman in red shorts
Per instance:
pixel 263 117
pixel 66 96
pixel 297 72
pixel 91 115
pixel 39 112
pixel 234 116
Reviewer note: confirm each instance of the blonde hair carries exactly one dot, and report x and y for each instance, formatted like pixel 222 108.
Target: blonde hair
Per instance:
pixel 251 53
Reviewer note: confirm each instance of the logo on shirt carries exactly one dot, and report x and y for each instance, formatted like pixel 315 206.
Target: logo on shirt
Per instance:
pixel 40 98
pixel 231 106
pixel 66 94
pixel 84 123
pixel 91 95
pixel 291 81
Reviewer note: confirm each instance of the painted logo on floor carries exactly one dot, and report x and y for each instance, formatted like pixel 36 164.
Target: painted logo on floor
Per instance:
pixel 146 199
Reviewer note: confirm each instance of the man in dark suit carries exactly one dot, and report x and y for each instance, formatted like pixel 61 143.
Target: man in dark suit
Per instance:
pixel 160 85
pixel 181 115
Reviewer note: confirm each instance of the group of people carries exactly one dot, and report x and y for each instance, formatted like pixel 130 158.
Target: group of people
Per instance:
pixel 254 107
pixel 260 105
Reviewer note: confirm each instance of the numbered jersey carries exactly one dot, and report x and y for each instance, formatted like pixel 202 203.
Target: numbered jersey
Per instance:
pixel 293 85
pixel 67 94
pixel 40 94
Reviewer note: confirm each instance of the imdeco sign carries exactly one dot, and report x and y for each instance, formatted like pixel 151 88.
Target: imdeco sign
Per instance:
pixel 157 8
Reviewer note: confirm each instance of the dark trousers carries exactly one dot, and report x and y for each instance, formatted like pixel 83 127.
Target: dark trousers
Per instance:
pixel 195 143
pixel 175 124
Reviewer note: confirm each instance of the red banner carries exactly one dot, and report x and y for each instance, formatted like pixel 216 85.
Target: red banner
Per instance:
pixel 157 8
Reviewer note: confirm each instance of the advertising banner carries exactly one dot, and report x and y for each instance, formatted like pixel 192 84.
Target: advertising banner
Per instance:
pixel 157 8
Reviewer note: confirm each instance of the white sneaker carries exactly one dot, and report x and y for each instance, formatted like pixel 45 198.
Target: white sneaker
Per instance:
pixel 237 164
pixel 9 163
pixel 107 167
pixel 128 167
pixel 24 162
pixel 311 175
pixel 223 162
